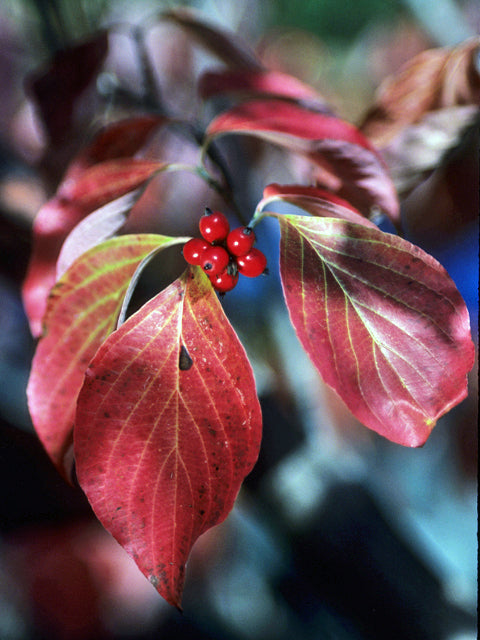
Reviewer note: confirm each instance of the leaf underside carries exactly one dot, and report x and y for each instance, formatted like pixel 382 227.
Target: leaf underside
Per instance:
pixel 168 425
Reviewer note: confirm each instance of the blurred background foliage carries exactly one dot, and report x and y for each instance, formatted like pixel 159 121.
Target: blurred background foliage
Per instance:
pixel 339 534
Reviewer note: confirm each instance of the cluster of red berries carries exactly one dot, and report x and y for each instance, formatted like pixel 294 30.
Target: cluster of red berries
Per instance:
pixel 222 253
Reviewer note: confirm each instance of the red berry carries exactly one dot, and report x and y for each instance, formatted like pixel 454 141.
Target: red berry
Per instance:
pixel 194 249
pixel 224 281
pixel 214 226
pixel 252 264
pixel 240 241
pixel 215 260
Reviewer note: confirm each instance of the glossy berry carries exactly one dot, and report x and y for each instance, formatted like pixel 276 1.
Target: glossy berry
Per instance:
pixel 224 281
pixel 240 241
pixel 214 226
pixel 194 249
pixel 252 264
pixel 215 260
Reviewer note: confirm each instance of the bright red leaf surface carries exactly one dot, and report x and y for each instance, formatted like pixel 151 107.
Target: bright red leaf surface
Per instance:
pixel 74 200
pixel 168 425
pixel 82 311
pixel 381 320
pixel 333 144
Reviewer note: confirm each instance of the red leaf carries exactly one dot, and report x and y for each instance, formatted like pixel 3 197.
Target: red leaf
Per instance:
pixel 120 139
pixel 380 319
pixel 257 83
pixel 224 44
pixel 56 89
pixel 75 199
pixel 327 141
pixel 82 311
pixel 106 181
pixel 316 202
pixel 168 425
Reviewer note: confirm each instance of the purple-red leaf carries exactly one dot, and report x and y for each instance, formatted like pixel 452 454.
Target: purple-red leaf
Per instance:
pixel 121 139
pixel 331 143
pixel 168 425
pixel 82 311
pixel 316 202
pixel 75 199
pixel 381 320
pixel 57 88
pixel 258 83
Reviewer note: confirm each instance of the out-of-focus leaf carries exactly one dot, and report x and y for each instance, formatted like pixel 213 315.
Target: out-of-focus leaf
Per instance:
pixel 381 320
pixel 437 211
pixel 420 148
pixel 168 425
pixel 82 311
pixel 224 44
pixel 258 83
pixel 56 89
pixel 327 141
pixel 107 180
pixel 316 202
pixel 434 79
pixel 121 139
pixel 74 200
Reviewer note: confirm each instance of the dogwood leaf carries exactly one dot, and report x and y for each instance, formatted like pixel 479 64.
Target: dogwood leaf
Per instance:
pixel 316 202
pixel 433 80
pixel 329 142
pixel 168 425
pixel 82 311
pixel 381 320
pixel 75 199
pixel 121 139
pixel 257 83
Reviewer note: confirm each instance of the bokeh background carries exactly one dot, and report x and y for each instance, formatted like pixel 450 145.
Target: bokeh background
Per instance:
pixel 338 534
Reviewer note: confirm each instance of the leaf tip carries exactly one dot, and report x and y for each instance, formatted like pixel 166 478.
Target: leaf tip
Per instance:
pixel 164 588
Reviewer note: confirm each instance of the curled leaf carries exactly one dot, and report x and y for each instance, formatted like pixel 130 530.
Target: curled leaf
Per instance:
pixel 333 144
pixel 381 320
pixel 168 425
pixel 316 202
pixel 434 79
pixel 257 83
pixel 75 199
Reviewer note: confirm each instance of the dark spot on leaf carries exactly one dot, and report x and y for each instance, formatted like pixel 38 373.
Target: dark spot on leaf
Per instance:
pixel 184 361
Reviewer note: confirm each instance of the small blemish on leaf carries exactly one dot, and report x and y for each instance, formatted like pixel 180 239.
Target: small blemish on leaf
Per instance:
pixel 184 361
